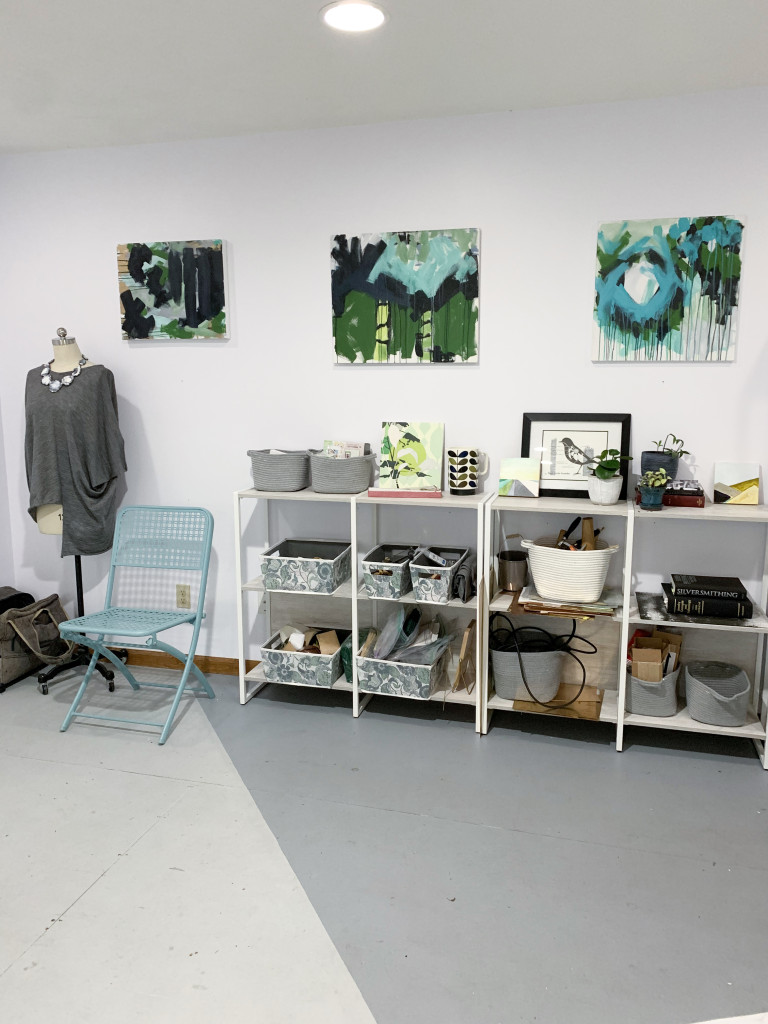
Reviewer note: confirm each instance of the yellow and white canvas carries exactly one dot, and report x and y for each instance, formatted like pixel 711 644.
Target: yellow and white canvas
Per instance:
pixel 737 483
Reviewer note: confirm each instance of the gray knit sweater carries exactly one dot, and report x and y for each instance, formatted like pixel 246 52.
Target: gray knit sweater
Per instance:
pixel 75 456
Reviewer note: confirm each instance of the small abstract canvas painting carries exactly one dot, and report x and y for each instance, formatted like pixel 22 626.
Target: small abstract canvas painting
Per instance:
pixel 172 290
pixel 411 458
pixel 737 483
pixel 519 478
pixel 405 296
pixel 667 290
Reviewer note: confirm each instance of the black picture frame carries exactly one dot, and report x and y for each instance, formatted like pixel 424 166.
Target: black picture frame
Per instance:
pixel 543 431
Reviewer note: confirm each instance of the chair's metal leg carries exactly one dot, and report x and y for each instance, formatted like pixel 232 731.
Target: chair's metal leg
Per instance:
pixel 177 698
pixel 193 667
pixel 81 691
pixel 111 656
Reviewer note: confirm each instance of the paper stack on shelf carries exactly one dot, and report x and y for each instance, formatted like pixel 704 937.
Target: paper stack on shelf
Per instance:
pixel 530 601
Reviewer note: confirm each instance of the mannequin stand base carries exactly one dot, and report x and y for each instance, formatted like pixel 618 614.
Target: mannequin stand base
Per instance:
pixel 82 656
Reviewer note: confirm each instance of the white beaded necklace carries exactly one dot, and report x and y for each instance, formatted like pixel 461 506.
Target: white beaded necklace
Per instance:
pixel 53 385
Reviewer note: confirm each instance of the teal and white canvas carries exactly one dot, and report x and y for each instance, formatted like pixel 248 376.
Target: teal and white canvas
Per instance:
pixel 667 290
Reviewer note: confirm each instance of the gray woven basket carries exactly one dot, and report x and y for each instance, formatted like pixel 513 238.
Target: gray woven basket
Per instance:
pixel 284 471
pixel 658 700
pixel 543 670
pixel 340 476
pixel 717 693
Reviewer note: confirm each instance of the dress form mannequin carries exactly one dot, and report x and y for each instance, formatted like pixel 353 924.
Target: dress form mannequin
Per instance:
pixel 66 356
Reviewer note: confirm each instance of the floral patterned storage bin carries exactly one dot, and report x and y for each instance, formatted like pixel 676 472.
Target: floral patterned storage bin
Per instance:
pixel 296 667
pixel 313 566
pixel 398 580
pixel 376 675
pixel 433 583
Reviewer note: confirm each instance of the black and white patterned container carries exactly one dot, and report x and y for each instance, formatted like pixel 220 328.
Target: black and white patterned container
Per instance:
pixel 308 566
pixel 433 583
pixel 398 678
pixel 386 571
pixel 300 668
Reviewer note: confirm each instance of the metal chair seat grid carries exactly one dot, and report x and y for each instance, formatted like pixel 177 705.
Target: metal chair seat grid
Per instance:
pixel 126 622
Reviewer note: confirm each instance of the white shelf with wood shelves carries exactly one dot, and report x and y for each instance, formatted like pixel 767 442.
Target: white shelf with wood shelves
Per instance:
pixel 333 610
pixel 433 513
pixel 741 642
pixel 546 516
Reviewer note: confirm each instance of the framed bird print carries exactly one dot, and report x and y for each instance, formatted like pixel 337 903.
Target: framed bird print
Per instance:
pixel 568 444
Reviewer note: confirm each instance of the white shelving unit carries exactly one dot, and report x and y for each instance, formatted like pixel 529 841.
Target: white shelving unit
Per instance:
pixel 537 517
pixel 718 639
pixel 532 517
pixel 466 505
pixel 307 605
pixel 361 608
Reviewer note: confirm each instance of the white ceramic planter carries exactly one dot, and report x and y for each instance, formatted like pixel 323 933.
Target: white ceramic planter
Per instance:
pixel 604 492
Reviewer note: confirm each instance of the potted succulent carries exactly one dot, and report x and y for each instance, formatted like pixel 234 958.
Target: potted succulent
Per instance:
pixel 666 456
pixel 605 481
pixel 652 485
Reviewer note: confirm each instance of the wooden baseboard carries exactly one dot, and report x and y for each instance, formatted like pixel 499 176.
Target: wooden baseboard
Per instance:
pixel 205 662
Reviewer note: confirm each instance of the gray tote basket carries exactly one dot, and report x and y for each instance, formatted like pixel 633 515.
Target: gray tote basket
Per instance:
pixel 543 670
pixel 717 693
pixel 279 471
pixel 657 700
pixel 340 476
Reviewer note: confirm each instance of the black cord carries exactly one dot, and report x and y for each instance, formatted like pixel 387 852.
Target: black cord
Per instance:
pixel 533 639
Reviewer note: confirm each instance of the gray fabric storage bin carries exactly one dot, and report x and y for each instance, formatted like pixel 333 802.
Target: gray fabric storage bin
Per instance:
pixel 341 476
pixel 657 700
pixel 283 471
pixel 717 693
pixel 543 671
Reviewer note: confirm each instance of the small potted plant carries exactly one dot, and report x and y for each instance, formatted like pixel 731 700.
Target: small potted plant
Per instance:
pixel 666 456
pixel 652 485
pixel 605 480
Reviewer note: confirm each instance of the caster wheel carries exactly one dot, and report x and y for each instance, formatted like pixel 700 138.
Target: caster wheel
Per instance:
pixel 111 686
pixel 43 688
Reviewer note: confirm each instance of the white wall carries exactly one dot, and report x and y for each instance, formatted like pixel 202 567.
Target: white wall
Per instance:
pixel 536 183
pixel 7 568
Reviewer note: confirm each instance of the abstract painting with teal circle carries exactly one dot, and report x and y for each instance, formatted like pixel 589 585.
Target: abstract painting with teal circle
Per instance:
pixel 667 290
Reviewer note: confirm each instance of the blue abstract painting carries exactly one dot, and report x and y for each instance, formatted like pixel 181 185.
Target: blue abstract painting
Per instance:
pixel 405 296
pixel 667 290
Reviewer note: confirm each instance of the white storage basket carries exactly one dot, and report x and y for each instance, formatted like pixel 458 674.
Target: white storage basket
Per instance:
pixel 560 575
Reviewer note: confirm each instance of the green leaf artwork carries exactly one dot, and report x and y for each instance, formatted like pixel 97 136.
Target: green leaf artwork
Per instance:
pixel 406 296
pixel 411 456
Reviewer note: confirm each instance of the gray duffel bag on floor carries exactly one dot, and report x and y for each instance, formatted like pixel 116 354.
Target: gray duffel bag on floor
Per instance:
pixel 29 634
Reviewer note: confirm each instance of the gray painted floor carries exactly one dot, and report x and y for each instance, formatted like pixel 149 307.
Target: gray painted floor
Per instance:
pixel 529 875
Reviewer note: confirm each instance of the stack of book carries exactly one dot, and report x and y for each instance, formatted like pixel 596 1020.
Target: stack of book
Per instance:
pixel 681 494
pixel 718 597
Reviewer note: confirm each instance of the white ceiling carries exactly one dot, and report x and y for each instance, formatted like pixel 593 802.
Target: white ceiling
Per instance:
pixel 96 72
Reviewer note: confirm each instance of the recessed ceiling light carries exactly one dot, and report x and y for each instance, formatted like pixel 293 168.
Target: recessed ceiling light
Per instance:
pixel 353 15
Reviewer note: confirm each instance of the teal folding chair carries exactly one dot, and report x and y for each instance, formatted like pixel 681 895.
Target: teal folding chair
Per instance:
pixel 157 581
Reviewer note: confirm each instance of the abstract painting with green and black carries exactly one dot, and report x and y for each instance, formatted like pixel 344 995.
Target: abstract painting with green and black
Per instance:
pixel 172 289
pixel 405 296
pixel 667 290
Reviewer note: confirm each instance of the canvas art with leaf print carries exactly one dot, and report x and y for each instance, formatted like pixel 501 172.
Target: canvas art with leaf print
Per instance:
pixel 405 296
pixel 172 290
pixel 667 290
pixel 411 457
